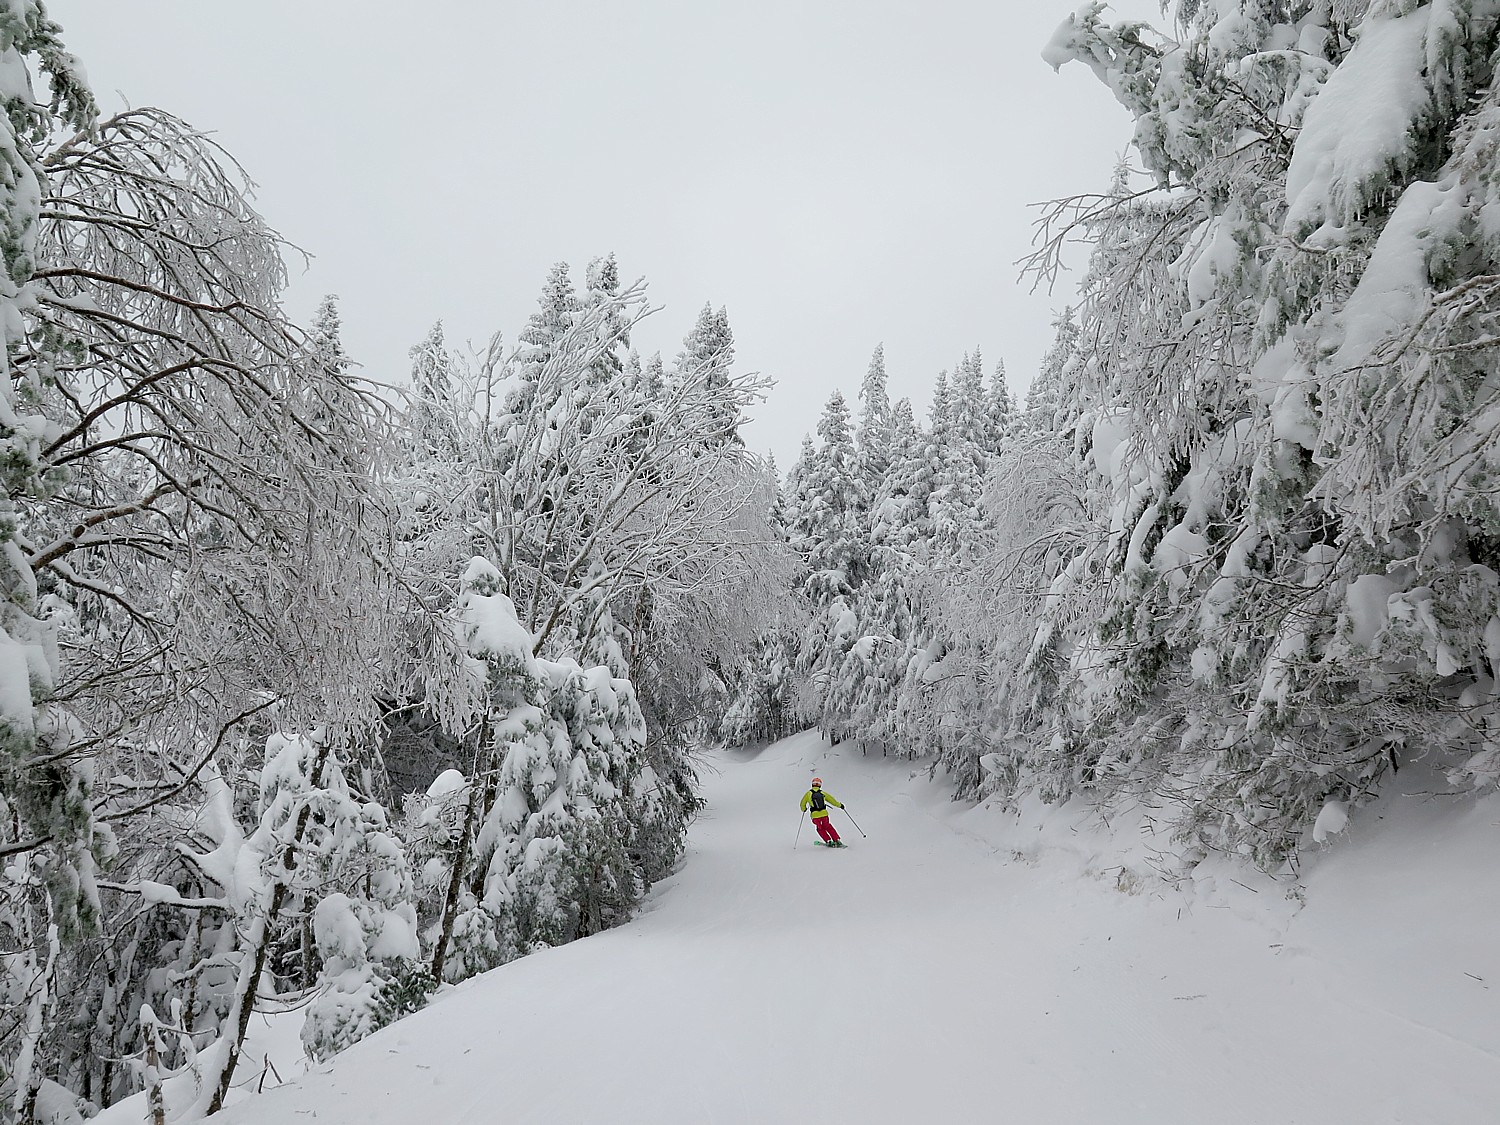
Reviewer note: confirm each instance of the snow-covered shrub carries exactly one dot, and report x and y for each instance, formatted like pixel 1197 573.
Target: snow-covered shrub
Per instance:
pixel 569 825
pixel 567 809
pixel 364 918
pixel 371 974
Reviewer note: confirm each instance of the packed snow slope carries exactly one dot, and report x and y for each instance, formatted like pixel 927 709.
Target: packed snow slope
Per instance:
pixel 962 965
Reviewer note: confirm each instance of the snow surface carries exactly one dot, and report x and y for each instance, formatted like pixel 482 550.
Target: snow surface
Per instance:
pixel 967 965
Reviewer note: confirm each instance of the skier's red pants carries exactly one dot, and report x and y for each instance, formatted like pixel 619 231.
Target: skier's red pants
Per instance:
pixel 825 828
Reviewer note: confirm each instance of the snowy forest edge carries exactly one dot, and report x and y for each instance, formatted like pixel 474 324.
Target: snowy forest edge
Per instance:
pixel 323 689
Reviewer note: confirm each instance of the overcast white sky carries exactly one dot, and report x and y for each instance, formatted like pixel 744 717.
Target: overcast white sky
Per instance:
pixel 838 173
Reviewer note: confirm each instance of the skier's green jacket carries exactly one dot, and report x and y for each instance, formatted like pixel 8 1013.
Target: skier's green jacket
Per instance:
pixel 819 814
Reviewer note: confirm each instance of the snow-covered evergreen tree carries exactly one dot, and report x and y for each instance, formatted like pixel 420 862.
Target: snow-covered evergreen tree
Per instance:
pixel 873 437
pixel 825 515
pixel 47 893
pixel 430 424
pixel 957 455
pixel 940 413
pixel 899 515
pixel 1000 412
pixel 826 519
pixel 364 926
pixel 1044 395
pixel 1259 384
pixel 602 288
pixel 574 827
pixel 707 358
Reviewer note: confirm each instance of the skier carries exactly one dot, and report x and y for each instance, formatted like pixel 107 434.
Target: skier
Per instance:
pixel 820 801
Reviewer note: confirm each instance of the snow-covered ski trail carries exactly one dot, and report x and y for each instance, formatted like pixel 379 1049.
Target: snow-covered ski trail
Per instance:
pixel 920 976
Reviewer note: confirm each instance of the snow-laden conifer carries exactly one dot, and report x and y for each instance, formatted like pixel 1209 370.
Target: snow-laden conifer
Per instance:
pixel 51 837
pixel 1279 384
pixel 873 436
pixel 571 825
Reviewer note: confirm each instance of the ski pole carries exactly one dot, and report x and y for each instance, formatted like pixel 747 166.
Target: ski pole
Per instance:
pixel 800 819
pixel 856 824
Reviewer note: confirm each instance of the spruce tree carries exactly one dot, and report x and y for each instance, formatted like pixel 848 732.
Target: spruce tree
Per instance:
pixel 707 357
pixel 827 526
pixel 430 423
pixel 970 406
pixel 873 439
pixel 899 515
pixel 940 414
pixel 1043 397
pixel 603 289
pixel 538 387
pixel 1000 410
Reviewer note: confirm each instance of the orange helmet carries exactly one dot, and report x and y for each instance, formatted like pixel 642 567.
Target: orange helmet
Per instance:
pixel 817 783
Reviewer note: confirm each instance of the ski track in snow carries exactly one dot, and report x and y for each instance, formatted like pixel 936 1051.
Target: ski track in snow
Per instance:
pixel 924 974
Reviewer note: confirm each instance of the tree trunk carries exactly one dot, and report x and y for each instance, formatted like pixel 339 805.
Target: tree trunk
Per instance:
pixel 154 1101
pixel 27 1075
pixel 309 950
pixel 455 881
pixel 249 983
